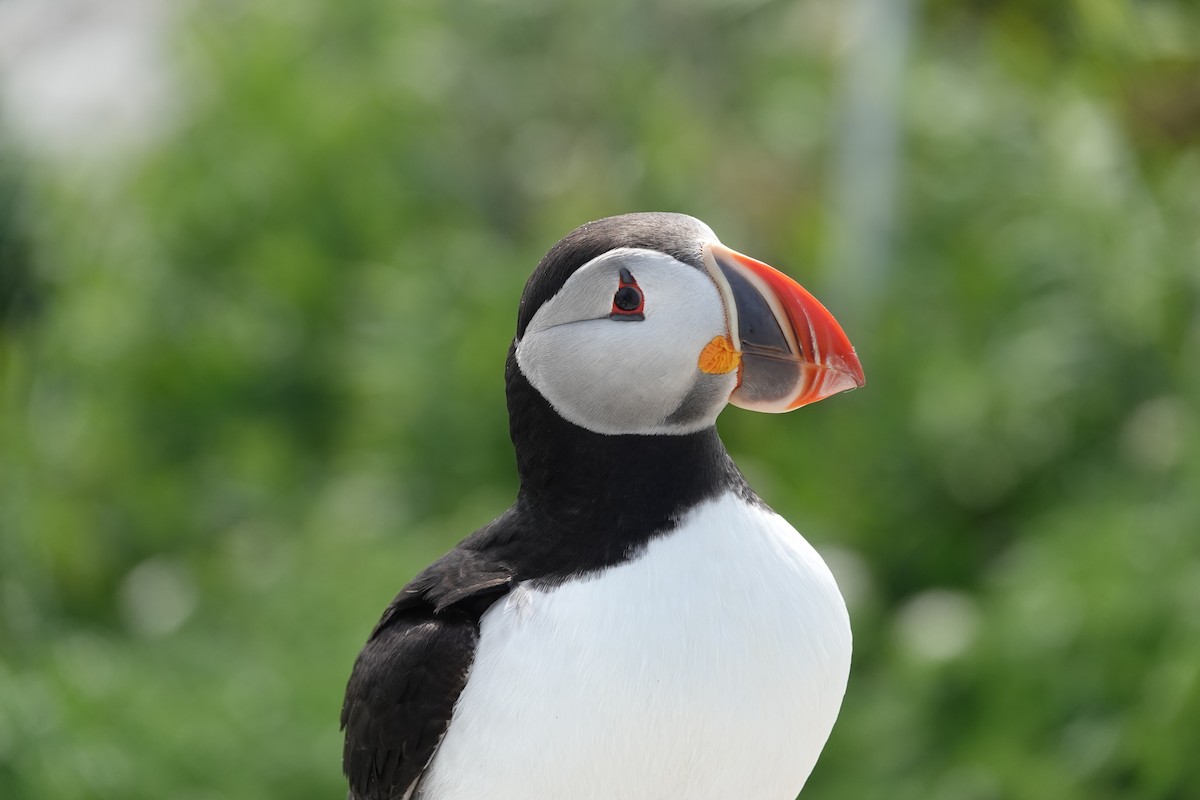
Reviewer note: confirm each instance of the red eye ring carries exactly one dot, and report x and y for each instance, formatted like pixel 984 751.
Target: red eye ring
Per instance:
pixel 629 303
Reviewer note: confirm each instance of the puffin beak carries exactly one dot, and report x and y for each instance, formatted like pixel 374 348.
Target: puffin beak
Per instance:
pixel 792 350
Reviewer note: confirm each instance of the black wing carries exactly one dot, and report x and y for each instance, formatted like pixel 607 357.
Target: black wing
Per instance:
pixel 409 675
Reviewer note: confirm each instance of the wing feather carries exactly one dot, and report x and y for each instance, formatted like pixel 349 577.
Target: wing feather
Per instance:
pixel 409 675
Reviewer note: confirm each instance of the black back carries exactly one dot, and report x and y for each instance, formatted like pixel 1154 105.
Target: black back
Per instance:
pixel 587 501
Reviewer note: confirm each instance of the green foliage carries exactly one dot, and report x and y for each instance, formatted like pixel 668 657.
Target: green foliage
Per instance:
pixel 252 379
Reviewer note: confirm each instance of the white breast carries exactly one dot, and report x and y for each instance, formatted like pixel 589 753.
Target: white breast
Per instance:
pixel 711 666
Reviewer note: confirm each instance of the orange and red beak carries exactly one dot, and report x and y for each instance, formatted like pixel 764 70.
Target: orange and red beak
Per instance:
pixel 793 352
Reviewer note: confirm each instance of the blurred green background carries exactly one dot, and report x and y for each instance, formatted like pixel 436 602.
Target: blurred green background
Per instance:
pixel 251 355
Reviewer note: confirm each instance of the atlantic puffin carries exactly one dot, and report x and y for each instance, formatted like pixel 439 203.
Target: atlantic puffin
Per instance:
pixel 639 624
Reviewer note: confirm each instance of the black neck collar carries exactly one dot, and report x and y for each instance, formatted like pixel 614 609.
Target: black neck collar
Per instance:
pixel 589 500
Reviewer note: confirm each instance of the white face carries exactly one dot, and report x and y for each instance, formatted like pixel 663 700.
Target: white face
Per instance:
pixel 613 374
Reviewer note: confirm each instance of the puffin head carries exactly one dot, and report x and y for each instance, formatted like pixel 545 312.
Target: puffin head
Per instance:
pixel 646 324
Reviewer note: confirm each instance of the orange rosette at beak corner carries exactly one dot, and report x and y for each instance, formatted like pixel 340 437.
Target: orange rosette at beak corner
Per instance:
pixel 793 352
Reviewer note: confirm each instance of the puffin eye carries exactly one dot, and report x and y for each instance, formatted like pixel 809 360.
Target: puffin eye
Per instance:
pixel 627 299
pixel 628 302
